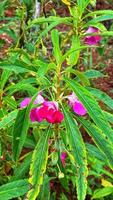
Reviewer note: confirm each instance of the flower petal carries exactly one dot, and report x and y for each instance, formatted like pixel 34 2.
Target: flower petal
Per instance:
pixel 79 109
pixel 50 116
pixel 39 99
pixel 25 102
pixel 33 116
pixel 63 157
pixel 58 117
pixel 92 40
pixel 51 104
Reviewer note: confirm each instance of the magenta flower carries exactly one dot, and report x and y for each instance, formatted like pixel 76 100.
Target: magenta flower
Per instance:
pixel 48 111
pixel 63 158
pixel 92 39
pixel 77 106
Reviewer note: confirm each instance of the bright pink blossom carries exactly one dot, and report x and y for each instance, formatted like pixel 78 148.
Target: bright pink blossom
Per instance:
pixel 77 106
pixel 63 158
pixel 92 39
pixel 48 111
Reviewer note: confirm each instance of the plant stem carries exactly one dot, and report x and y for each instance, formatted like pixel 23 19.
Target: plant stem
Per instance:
pixel 58 82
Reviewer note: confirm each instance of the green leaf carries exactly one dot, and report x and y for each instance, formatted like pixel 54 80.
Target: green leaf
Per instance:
pixel 92 2
pixel 107 33
pixel 7 120
pixel 92 107
pixel 99 12
pixel 14 189
pixel 10 101
pixel 45 189
pixel 52 25
pixel 20 129
pixel 50 19
pixel 108 116
pixel 102 96
pixel 69 52
pixel 0 148
pixel 56 47
pixel 21 52
pixel 38 165
pixel 100 139
pixel 73 58
pixel 4 78
pixel 93 74
pixel 22 168
pixel 95 152
pixel 103 192
pixel 81 5
pixel 26 85
pixel 82 77
pixel 63 197
pixel 77 147
pixel 20 132
pixel 3 6
pixel 99 19
pixel 30 142
pixel 42 67
pixel 10 18
pixel 21 87
pixel 13 67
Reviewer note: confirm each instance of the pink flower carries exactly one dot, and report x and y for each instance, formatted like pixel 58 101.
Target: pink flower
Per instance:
pixel 92 39
pixel 25 102
pixel 38 114
pixel 39 100
pixel 77 106
pixel 63 157
pixel 48 111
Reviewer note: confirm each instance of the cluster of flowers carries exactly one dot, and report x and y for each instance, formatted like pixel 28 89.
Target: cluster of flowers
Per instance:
pixel 49 111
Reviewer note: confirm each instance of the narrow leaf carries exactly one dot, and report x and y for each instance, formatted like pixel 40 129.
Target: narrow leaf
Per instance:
pixel 92 107
pixel 93 74
pixel 99 139
pixel 7 120
pixel 20 129
pixel 99 19
pixel 77 147
pixel 98 194
pixel 73 58
pixel 38 166
pixel 4 78
pixel 13 189
pixel 102 96
pixel 22 168
pixel 56 47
